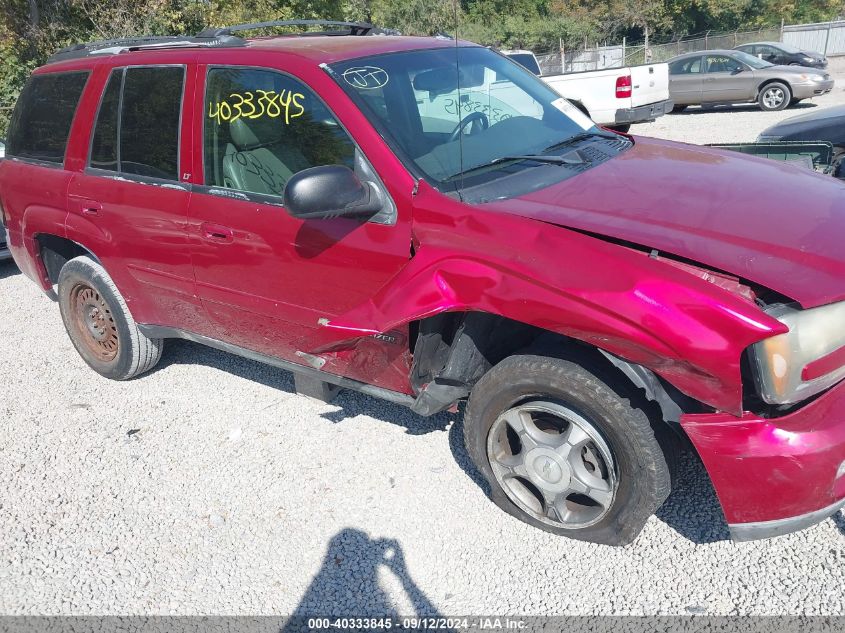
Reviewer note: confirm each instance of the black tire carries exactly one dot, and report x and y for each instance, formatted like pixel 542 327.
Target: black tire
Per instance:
pixel 774 96
pixel 622 128
pixel 611 405
pixel 99 324
pixel 678 108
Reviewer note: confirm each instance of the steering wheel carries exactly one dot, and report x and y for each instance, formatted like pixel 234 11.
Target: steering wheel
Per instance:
pixel 472 117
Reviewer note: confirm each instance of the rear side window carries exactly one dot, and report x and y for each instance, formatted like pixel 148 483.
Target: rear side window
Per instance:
pixel 137 129
pixel 40 125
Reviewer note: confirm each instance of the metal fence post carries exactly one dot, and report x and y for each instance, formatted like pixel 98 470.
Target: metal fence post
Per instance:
pixel 827 37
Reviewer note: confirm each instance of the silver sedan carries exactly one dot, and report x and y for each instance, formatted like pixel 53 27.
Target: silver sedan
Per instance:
pixel 726 77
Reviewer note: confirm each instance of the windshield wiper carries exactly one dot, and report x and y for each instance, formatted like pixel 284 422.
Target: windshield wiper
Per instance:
pixel 583 136
pixel 573 158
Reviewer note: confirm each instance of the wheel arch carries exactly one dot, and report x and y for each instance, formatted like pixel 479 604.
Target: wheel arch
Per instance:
pixel 54 251
pixel 452 352
pixel 769 81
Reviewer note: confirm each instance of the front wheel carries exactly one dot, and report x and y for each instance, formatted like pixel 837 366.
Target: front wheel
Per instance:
pixel 567 447
pixel 774 96
pixel 99 324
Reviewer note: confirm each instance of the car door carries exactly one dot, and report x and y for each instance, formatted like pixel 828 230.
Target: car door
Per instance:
pixel 685 80
pixel 726 80
pixel 267 279
pixel 128 204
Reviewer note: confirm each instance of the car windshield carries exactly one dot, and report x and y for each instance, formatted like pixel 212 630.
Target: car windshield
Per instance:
pixel 751 60
pixel 458 113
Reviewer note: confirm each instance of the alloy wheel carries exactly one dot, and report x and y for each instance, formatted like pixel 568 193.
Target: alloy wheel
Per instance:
pixel 553 464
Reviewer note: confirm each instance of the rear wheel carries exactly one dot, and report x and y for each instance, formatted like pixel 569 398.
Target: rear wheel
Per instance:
pixel 774 96
pixel 566 448
pixel 99 323
pixel 624 128
pixel 678 108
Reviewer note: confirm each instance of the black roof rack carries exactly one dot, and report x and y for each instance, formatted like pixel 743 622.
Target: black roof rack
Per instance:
pixel 146 42
pixel 348 28
pixel 210 37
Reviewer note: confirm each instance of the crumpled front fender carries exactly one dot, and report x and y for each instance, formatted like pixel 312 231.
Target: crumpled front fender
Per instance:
pixel 685 329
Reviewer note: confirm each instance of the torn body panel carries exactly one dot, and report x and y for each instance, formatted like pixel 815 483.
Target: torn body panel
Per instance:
pixel 689 331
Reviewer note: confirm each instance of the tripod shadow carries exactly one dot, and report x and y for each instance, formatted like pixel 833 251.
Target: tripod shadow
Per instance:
pixel 348 585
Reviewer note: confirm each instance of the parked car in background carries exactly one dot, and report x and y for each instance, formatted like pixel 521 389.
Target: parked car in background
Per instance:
pixel 595 298
pixel 613 97
pixel 782 54
pixel 721 77
pixel 819 125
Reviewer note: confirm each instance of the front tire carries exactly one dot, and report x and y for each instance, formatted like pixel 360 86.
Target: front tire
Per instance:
pixel 567 447
pixel 99 324
pixel 774 96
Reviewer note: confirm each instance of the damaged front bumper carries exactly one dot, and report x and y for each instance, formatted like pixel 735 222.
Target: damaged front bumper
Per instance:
pixel 775 476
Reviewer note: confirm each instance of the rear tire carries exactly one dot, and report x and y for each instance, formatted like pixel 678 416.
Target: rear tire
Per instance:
pixel 623 128
pixel 774 96
pixel 678 108
pixel 99 324
pixel 581 428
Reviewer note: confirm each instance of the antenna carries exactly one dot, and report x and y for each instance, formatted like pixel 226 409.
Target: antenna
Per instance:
pixel 458 108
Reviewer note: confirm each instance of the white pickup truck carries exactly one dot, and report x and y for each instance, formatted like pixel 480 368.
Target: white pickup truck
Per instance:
pixel 613 97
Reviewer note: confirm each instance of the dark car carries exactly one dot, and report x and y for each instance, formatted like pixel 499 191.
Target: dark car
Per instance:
pixel 4 250
pixel 782 54
pixel 594 297
pixel 824 125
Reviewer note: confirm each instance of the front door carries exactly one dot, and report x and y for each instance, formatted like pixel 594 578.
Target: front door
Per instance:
pixel 726 80
pixel 266 278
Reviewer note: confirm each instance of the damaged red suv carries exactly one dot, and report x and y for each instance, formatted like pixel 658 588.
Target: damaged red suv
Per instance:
pixel 425 221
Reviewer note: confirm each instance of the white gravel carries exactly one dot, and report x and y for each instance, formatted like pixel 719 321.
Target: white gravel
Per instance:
pixel 208 487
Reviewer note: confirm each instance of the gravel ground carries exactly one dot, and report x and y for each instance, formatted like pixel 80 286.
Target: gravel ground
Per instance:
pixel 208 487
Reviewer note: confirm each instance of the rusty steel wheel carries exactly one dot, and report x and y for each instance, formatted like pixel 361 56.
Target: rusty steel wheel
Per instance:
pixel 99 323
pixel 93 321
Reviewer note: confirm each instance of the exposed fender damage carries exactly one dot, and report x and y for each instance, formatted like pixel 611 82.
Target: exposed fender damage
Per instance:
pixel 687 330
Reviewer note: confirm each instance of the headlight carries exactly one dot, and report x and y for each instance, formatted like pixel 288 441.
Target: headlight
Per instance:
pixel 808 359
pixel 818 78
pixel 809 60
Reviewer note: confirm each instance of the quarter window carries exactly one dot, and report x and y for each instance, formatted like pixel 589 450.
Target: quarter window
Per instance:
pixel 261 127
pixel 41 122
pixel 137 129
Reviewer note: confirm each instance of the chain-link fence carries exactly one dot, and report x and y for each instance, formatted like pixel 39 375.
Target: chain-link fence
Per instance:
pixel 614 56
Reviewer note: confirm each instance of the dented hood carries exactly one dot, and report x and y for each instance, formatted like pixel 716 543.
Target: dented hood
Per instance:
pixel 777 225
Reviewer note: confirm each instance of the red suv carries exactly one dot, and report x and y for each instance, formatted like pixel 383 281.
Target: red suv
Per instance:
pixel 425 221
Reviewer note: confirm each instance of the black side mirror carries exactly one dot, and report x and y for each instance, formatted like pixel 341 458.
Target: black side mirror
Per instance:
pixel 330 191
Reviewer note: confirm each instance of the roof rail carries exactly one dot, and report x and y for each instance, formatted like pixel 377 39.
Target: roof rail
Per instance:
pixel 354 28
pixel 146 42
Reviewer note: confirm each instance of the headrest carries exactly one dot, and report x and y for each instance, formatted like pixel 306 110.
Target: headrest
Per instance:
pixel 250 134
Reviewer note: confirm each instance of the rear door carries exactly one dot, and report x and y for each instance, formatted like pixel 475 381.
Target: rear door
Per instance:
pixel 267 279
pixel 128 205
pixel 685 80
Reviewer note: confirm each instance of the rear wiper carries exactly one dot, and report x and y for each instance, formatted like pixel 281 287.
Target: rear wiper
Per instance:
pixel 583 136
